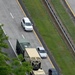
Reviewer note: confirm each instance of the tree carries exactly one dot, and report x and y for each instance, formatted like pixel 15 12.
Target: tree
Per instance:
pixel 21 68
pixel 2 39
pixel 6 67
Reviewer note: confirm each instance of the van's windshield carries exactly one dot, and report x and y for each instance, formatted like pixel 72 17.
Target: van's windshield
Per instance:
pixel 28 24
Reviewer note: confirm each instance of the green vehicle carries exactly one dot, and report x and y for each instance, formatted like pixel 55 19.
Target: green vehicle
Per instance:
pixel 21 44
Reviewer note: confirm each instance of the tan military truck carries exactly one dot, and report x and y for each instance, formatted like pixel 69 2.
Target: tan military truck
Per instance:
pixel 33 57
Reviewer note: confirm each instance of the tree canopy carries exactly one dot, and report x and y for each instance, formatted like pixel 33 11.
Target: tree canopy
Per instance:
pixel 16 67
pixel 5 68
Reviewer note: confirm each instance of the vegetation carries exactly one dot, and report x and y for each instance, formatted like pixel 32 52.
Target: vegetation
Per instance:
pixel 15 67
pixel 65 18
pixel 55 43
pixel 5 68
pixel 21 68
pixel 2 39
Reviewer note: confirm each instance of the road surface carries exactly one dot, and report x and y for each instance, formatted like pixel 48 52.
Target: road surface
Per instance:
pixel 10 15
pixel 71 5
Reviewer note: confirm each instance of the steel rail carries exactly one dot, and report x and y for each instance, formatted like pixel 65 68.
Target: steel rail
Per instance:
pixel 61 26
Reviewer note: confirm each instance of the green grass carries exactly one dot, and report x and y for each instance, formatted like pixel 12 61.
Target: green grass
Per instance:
pixel 45 26
pixel 66 20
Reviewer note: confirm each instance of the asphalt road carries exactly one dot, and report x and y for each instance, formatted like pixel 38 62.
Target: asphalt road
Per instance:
pixel 9 51
pixel 11 15
pixel 71 5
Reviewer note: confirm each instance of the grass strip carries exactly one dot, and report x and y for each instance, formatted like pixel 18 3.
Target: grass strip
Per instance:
pixel 65 18
pixel 45 26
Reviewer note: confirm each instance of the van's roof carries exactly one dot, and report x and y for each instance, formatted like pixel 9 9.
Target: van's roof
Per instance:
pixel 32 52
pixel 27 20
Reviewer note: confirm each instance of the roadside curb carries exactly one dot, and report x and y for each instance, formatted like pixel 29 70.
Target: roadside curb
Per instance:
pixel 69 7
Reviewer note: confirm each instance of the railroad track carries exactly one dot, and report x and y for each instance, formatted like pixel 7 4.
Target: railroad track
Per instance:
pixel 61 26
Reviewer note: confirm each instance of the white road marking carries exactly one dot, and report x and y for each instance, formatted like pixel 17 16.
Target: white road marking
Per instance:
pixel 23 36
pixel 14 51
pixel 13 48
pixel 10 43
pixel 11 15
pixel 4 31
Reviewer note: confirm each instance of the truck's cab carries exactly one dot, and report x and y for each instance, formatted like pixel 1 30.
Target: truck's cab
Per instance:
pixel 38 72
pixel 36 63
